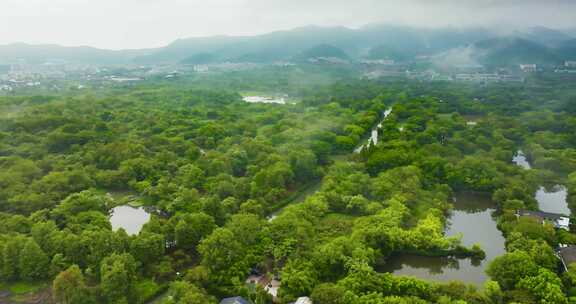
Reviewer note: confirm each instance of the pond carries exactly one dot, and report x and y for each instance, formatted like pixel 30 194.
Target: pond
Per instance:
pixel 553 199
pixel 472 217
pixel 130 218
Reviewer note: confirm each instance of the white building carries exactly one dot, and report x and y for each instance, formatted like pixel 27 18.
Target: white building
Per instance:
pixel 528 68
pixel 570 64
pixel 303 300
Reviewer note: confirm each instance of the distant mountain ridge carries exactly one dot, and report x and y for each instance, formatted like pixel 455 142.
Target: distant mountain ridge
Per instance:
pixel 43 53
pixel 539 45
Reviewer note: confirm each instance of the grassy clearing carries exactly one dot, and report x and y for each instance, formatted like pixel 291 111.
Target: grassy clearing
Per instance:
pixel 19 288
pixel 334 225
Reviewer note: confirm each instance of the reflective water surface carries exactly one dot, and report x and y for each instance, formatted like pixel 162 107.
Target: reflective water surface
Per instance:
pixel 553 199
pixel 472 217
pixel 130 218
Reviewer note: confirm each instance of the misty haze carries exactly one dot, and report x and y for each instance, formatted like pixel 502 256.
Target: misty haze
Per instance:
pixel 287 152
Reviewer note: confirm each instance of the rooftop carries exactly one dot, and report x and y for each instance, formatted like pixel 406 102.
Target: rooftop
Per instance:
pixel 234 300
pixel 568 254
pixel 541 214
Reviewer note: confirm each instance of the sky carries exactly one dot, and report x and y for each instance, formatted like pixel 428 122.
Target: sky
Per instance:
pixel 128 24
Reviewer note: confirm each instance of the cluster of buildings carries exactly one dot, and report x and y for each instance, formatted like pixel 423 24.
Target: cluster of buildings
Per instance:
pixel 432 75
pixel 328 60
pixel 569 67
pixel 270 284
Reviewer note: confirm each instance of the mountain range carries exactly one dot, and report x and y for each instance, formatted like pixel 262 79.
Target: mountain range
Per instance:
pixel 535 45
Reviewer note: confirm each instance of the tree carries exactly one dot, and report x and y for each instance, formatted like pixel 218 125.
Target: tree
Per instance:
pixel 147 247
pixel 192 228
pixel 220 250
pixel 69 287
pixel 493 292
pixel 58 264
pixel 510 268
pixel 546 286
pixel 186 293
pixel 10 258
pixel 298 279
pixel 82 202
pixel 328 293
pixel 33 261
pixel 43 235
pixel 117 275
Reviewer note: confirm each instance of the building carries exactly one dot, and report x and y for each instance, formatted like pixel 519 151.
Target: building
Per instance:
pixel 234 300
pixel 378 62
pixel 567 255
pixel 559 221
pixel 570 64
pixel 303 300
pixel 270 284
pixel 528 68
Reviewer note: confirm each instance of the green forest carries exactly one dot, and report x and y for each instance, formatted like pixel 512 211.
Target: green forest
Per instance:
pixel 236 189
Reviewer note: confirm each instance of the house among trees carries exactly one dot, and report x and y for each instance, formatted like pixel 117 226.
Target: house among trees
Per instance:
pixel 270 284
pixel 234 300
pixel 303 300
pixel 559 221
pixel 567 255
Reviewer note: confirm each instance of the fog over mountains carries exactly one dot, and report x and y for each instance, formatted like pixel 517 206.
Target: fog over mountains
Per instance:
pixel 400 43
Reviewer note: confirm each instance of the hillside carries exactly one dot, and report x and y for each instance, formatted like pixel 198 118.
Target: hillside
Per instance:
pixel 512 50
pixel 38 54
pixel 375 41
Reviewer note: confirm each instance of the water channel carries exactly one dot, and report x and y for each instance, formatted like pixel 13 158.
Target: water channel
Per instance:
pixel 373 136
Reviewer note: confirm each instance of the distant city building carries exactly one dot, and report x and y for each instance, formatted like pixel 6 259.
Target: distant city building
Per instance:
pixel 124 79
pixel 328 60
pixel 528 68
pixel 378 62
pixel 201 68
pixel 570 64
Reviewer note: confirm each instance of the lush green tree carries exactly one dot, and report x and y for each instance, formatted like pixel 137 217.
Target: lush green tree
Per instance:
pixel 493 292
pixel 117 276
pixel 147 247
pixel 186 293
pixel 545 285
pixel 33 262
pixel 298 279
pixel 69 287
pixel 512 267
pixel 328 293
pixel 220 250
pixel 192 228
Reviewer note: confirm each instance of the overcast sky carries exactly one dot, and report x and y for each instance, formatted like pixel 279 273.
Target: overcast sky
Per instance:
pixel 118 24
